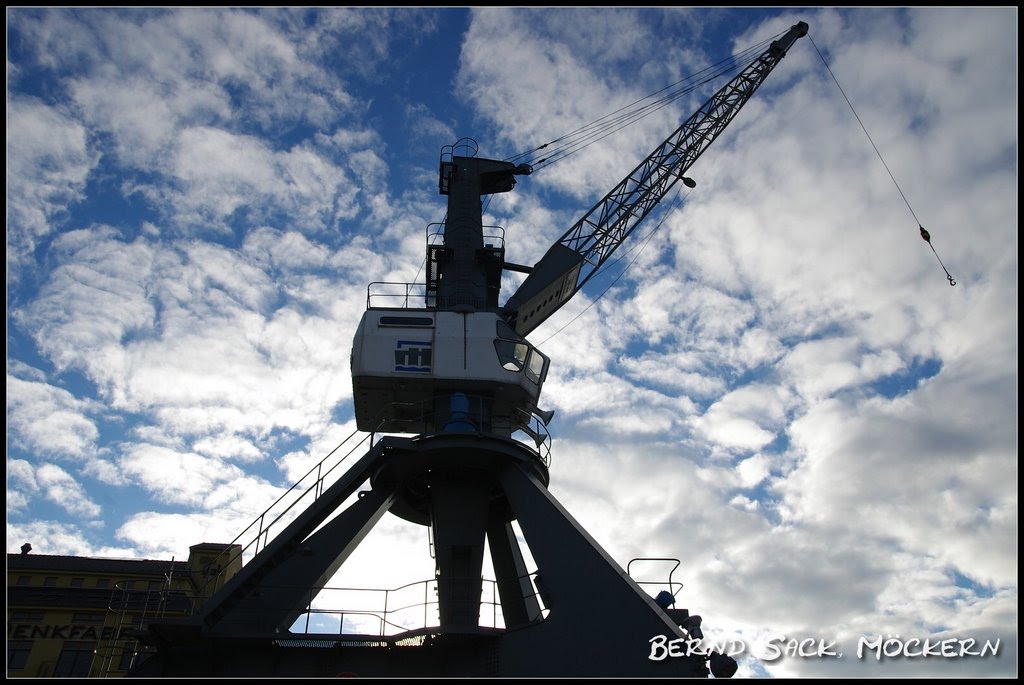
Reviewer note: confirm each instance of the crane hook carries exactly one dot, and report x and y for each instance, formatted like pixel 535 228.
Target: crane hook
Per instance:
pixel 928 239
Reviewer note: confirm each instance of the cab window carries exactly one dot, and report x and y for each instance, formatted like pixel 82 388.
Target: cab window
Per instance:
pixel 515 354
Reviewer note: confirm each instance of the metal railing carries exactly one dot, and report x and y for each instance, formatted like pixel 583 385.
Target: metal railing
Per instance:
pixel 394 295
pixel 523 426
pixel 494 236
pixel 282 512
pixel 669 583
pixel 389 612
pixel 399 295
pixel 308 489
pixel 133 609
pixel 464 147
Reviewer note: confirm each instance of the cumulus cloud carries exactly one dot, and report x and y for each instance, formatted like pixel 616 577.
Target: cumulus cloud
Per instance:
pixel 50 421
pixel 152 325
pixel 779 388
pixel 49 159
pixel 742 418
pixel 60 488
pixel 803 366
pixel 26 481
pixel 63 538
pixel 21 483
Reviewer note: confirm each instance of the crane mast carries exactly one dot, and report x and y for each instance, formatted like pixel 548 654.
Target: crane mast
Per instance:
pixel 580 253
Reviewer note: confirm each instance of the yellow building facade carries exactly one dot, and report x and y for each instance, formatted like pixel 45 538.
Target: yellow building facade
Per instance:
pixel 79 616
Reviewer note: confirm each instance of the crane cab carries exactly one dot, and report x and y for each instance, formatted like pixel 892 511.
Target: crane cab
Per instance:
pixel 428 371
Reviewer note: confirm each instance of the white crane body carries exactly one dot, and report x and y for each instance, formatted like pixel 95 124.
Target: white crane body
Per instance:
pixel 405 362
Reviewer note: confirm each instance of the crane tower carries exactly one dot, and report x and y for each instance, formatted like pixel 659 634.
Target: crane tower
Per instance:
pixel 446 377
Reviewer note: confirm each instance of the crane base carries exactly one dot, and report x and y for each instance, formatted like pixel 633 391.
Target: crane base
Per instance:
pixel 579 615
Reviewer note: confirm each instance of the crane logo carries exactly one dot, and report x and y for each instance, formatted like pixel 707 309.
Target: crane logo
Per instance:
pixel 413 356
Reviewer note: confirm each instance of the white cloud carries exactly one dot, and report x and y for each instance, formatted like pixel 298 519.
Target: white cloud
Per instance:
pixel 181 100
pixel 228 447
pixel 673 371
pixel 92 299
pixel 219 173
pixel 106 472
pixel 747 418
pixel 285 251
pixel 174 477
pixel 143 115
pixel 26 481
pixel 48 162
pixel 154 535
pixel 21 484
pixel 918 463
pixel 62 538
pixel 753 470
pixel 820 368
pixel 49 421
pixel 782 391
pixel 62 489
pixel 183 334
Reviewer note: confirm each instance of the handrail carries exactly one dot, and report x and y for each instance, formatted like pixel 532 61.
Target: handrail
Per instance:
pixel 401 295
pixel 387 617
pixel 263 529
pixel 530 425
pixel 463 147
pixel 494 234
pixel 671 585
pixel 397 291
pixel 527 423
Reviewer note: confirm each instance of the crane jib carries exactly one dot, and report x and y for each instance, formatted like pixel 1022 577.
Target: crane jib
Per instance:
pixel 584 248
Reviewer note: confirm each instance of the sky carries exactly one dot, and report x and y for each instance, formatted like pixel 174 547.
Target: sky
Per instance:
pixel 779 388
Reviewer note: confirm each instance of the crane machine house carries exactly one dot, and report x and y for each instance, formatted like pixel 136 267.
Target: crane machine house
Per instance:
pixel 454 363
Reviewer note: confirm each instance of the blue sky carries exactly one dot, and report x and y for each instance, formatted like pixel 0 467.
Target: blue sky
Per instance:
pixel 782 391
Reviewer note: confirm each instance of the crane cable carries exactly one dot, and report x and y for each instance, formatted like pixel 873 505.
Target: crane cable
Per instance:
pixel 608 124
pixel 602 127
pixel 642 243
pixel 924 233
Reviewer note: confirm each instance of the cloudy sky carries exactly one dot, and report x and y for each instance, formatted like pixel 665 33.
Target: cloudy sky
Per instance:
pixel 781 390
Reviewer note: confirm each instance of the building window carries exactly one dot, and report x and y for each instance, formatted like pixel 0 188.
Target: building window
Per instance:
pixel 75 659
pixel 127 654
pixel 17 654
pixel 87 619
pixel 102 583
pixel 26 617
pixel 51 581
pixel 77 582
pixel 24 580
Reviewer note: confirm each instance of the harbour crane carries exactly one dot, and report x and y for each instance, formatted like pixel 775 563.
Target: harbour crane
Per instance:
pixel 450 366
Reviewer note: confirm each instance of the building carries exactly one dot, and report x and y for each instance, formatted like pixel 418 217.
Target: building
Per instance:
pixel 78 616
